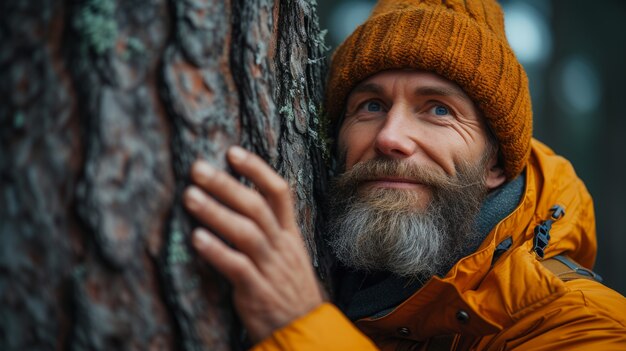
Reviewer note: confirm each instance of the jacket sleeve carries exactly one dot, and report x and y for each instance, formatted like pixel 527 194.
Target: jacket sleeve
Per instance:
pixel 324 328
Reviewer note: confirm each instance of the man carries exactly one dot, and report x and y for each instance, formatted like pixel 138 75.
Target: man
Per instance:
pixel 453 228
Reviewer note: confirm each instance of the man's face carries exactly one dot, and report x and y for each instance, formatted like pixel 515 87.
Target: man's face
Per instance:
pixel 416 117
pixel 417 165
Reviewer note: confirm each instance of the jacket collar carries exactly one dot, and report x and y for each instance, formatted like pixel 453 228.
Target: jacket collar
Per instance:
pixel 480 297
pixel 375 294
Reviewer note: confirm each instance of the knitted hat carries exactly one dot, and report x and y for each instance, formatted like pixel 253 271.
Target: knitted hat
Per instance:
pixel 461 40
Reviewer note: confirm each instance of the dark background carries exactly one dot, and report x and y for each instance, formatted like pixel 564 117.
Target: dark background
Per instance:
pixel 574 52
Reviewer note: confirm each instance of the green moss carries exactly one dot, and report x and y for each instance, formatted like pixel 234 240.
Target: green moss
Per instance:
pixel 95 23
pixel 18 120
pixel 287 110
pixel 319 130
pixel 177 250
pixel 300 177
pixel 135 47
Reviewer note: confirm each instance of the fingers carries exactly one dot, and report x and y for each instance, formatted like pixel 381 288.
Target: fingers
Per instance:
pixel 265 300
pixel 273 281
pixel 270 184
pixel 235 195
pixel 235 266
pixel 235 228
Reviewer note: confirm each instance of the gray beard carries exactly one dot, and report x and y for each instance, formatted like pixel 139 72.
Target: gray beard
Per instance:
pixel 383 229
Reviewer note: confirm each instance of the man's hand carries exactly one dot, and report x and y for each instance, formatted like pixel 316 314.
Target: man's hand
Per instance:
pixel 269 268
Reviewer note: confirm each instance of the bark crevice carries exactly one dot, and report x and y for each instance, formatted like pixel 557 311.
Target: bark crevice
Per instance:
pixel 106 103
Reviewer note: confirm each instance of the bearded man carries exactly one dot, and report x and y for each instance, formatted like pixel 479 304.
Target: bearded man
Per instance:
pixel 453 229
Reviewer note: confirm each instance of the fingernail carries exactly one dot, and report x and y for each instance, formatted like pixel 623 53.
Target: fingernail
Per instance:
pixel 237 153
pixel 201 238
pixel 205 168
pixel 194 197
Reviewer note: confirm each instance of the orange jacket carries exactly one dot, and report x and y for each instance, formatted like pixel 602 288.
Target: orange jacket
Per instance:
pixel 516 304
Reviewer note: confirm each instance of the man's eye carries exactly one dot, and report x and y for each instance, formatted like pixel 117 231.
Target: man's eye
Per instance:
pixel 373 106
pixel 440 110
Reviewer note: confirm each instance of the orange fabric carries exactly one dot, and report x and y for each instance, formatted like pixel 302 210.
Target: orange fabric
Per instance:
pixel 463 41
pixel 516 304
pixel 324 328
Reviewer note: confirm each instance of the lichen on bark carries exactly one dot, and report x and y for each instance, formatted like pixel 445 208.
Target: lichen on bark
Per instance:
pixel 106 105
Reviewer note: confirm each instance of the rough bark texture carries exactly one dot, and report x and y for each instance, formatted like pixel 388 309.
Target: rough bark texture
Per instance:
pixel 105 104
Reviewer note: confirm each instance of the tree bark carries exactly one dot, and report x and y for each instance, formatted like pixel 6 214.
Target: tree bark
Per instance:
pixel 105 104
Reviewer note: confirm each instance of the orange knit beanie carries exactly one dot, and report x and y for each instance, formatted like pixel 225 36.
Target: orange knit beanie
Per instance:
pixel 461 40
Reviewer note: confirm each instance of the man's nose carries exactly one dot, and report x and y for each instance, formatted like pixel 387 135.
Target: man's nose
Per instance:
pixel 394 139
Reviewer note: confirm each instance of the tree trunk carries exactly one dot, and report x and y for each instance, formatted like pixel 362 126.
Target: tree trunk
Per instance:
pixel 105 104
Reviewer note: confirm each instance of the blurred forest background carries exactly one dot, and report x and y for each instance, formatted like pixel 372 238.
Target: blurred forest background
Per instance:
pixel 105 103
pixel 574 52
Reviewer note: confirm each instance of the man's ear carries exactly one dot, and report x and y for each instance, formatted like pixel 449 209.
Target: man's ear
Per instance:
pixel 495 173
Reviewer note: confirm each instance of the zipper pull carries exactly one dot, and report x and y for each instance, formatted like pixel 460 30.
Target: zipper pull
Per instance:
pixel 542 231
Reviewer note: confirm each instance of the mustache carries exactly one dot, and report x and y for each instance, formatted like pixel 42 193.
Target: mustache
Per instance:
pixel 383 229
pixel 386 168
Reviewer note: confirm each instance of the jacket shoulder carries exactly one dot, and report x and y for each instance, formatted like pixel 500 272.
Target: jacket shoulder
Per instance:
pixel 589 316
pixel 565 314
pixel 552 181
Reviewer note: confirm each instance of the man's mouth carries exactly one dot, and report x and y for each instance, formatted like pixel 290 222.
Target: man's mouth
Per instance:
pixel 393 182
